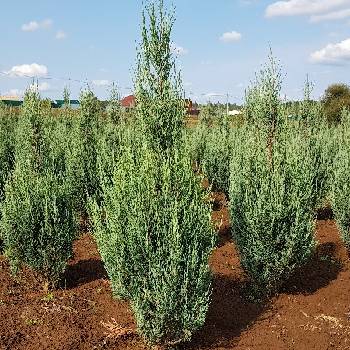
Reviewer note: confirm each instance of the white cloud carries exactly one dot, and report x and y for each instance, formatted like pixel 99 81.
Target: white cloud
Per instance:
pixel 102 82
pixel 331 16
pixel 60 35
pixel 231 37
pixel 338 54
pixel 178 50
pixel 32 26
pixel 28 70
pixel 304 7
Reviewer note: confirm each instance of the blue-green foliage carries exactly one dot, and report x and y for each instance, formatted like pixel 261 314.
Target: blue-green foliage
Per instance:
pixel 216 156
pixel 272 207
pixel 38 222
pixel 341 176
pixel 154 235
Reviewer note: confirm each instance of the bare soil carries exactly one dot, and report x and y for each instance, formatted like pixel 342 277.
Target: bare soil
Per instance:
pixel 312 312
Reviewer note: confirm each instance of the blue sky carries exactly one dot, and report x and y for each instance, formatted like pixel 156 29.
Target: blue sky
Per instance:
pixel 220 44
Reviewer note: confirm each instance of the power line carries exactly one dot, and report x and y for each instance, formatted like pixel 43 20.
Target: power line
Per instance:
pixel 92 82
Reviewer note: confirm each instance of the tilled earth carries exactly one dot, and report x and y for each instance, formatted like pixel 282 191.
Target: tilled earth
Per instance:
pixel 312 312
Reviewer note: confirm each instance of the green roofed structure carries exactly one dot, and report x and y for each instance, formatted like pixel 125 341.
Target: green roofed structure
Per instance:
pixel 15 101
pixel 60 103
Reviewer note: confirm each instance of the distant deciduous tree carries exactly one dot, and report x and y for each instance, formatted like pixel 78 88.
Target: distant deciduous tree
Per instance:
pixel 335 99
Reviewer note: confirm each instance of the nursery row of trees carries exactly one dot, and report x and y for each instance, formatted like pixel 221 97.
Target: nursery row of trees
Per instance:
pixel 149 214
pixel 276 172
pixel 134 178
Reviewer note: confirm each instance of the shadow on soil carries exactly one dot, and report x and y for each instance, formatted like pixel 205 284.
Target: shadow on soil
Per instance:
pixel 228 316
pixel 224 236
pixel 83 272
pixel 322 269
pixel 325 213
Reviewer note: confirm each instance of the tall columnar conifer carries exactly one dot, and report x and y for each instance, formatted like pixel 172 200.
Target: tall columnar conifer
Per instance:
pixel 340 179
pixel 8 122
pixel 89 120
pixel 114 108
pixel 153 224
pixel 272 208
pixel 38 221
pixel 272 188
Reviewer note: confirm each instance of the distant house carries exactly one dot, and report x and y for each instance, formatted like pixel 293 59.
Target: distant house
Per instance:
pixel 128 102
pixel 13 101
pixel 16 101
pixel 191 108
pixel 234 112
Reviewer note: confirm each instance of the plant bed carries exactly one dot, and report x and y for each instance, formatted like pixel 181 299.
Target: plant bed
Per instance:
pixel 312 312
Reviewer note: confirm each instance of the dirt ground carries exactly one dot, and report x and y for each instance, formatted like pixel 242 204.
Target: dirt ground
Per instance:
pixel 312 312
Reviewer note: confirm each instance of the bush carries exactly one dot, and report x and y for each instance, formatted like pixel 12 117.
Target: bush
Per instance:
pixel 323 146
pixel 216 157
pixel 7 158
pixel 210 148
pixel 154 234
pixel 38 221
pixel 89 126
pixel 335 99
pixel 313 126
pixel 341 184
pixel 39 224
pixel 114 108
pixel 195 141
pixel 272 208
pixel 73 142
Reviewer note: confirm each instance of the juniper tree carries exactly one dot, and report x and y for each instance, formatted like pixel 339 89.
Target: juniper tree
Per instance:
pixel 154 235
pixel 263 105
pixel 152 225
pixel 38 220
pixel 66 97
pixel 159 93
pixel 340 179
pixel 274 187
pixel 7 149
pixel 89 121
pixel 272 208
pixel 114 110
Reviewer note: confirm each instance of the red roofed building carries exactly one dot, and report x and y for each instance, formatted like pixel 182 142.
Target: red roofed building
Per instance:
pixel 128 101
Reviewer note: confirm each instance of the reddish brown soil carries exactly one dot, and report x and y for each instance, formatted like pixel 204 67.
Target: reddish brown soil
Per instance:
pixel 313 311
